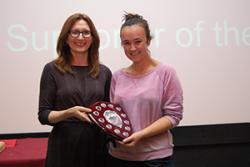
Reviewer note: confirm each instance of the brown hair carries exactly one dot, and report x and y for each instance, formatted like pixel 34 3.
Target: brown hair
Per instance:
pixel 63 62
pixel 136 19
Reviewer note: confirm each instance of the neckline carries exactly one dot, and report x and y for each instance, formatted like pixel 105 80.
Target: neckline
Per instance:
pixel 78 66
pixel 142 75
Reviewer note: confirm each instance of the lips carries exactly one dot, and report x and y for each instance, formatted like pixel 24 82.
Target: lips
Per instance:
pixel 133 54
pixel 80 44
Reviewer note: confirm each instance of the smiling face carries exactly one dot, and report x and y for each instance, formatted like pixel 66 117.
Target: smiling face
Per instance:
pixel 134 42
pixel 81 43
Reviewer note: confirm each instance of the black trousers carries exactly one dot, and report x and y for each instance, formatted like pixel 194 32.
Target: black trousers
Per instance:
pixel 162 162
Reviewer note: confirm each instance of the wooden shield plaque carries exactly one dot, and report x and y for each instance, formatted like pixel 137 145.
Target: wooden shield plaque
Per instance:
pixel 112 119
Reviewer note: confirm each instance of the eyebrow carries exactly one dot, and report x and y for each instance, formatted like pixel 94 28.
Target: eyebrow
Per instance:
pixel 80 30
pixel 133 39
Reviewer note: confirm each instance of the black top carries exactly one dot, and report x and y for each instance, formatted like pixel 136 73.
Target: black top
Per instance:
pixel 60 91
pixel 72 142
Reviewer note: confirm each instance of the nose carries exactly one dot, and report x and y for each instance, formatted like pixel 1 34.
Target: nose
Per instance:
pixel 81 36
pixel 132 47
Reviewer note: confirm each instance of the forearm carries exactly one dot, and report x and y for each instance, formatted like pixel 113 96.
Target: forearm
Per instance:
pixel 78 112
pixel 160 126
pixel 57 116
pixel 156 128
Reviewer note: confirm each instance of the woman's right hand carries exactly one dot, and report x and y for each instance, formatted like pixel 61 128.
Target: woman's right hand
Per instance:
pixel 80 113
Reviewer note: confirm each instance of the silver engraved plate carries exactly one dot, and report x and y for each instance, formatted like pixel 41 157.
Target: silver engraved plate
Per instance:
pixel 103 105
pixel 96 113
pixel 113 118
pixel 101 120
pixel 98 108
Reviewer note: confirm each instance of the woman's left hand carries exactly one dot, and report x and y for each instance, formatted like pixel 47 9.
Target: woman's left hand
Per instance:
pixel 132 140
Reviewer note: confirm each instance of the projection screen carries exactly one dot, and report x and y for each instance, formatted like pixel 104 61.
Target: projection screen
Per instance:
pixel 207 42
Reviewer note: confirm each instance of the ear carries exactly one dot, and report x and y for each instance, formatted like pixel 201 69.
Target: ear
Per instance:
pixel 148 42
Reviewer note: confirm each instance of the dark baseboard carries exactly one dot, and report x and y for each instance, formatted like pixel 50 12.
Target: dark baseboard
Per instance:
pixel 212 134
pixel 187 135
pixel 23 135
pixel 222 145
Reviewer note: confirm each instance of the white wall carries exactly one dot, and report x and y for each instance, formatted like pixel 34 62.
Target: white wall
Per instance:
pixel 207 41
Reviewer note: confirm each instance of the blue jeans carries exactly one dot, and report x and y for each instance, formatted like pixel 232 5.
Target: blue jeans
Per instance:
pixel 162 162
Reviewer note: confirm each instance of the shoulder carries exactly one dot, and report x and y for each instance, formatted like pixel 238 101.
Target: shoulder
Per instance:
pixel 49 72
pixel 116 75
pixel 50 68
pixel 166 72
pixel 118 72
pixel 49 65
pixel 165 69
pixel 105 72
pixel 105 69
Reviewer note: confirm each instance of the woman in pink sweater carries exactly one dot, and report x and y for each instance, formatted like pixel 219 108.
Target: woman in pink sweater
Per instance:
pixel 151 95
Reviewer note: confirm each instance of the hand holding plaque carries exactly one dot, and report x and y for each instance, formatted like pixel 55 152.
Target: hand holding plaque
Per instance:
pixel 112 119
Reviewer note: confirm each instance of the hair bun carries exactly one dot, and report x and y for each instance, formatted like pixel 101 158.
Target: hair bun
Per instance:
pixel 128 16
